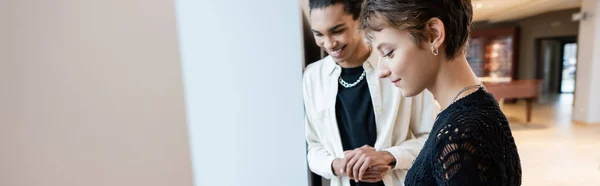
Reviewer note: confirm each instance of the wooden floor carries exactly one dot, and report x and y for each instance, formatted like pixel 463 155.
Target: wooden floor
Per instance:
pixel 554 150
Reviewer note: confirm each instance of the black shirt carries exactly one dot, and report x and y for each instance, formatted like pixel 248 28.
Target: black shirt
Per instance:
pixel 355 115
pixel 470 144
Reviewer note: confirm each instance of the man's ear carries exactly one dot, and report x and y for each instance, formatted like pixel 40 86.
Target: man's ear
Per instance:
pixel 436 32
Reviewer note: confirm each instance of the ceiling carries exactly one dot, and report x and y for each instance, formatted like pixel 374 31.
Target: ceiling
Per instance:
pixel 505 10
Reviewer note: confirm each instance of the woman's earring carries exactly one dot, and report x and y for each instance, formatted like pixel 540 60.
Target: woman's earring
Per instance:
pixel 435 51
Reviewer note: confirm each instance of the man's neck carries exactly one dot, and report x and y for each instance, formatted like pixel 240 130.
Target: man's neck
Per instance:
pixel 358 58
pixel 453 76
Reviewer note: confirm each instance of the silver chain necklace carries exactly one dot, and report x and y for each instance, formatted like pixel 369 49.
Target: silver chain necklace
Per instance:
pixel 459 93
pixel 362 76
pixel 349 85
pixel 465 89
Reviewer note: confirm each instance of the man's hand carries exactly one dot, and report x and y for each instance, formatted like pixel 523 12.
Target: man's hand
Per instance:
pixel 375 173
pixel 360 159
pixel 338 166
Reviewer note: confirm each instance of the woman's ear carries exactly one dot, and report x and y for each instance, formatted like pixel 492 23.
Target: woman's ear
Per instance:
pixel 437 32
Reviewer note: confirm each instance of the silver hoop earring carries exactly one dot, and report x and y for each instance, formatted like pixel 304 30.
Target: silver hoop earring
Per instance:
pixel 435 51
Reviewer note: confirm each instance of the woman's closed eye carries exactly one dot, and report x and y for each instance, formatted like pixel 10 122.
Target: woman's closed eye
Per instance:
pixel 389 54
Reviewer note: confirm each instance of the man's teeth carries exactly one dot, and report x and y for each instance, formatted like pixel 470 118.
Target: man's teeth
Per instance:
pixel 336 52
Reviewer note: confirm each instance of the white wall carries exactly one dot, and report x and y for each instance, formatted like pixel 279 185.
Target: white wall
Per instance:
pixel 91 94
pixel 587 88
pixel 242 66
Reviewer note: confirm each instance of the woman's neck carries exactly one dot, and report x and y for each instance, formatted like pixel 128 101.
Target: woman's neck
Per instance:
pixel 453 76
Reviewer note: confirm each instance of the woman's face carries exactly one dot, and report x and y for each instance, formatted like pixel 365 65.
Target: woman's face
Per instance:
pixel 408 66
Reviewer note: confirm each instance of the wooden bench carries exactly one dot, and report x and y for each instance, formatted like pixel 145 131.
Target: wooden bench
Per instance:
pixel 516 89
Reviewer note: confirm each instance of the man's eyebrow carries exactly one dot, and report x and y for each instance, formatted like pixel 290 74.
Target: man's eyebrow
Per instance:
pixel 336 27
pixel 333 28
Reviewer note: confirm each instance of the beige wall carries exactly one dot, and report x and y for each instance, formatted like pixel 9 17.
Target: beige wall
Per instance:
pixel 91 94
pixel 552 24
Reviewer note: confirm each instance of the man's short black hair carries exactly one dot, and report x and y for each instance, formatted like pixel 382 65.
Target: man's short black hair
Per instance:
pixel 351 7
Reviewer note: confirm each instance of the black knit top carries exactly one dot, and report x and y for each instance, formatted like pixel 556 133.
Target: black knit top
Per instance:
pixel 470 144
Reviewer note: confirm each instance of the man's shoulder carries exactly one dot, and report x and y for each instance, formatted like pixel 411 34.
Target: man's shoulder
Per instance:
pixel 316 69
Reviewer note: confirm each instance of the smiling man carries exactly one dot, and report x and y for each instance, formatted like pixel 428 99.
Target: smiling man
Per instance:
pixel 359 129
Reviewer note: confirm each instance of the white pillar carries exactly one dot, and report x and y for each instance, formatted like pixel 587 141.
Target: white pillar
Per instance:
pixel 242 71
pixel 587 89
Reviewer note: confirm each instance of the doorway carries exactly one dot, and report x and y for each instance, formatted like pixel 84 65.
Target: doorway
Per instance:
pixel 557 64
pixel 568 67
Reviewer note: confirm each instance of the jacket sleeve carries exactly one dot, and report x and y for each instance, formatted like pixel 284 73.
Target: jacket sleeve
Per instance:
pixel 424 109
pixel 319 160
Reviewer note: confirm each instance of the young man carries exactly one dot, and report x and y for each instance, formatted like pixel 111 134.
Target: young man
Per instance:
pixel 359 129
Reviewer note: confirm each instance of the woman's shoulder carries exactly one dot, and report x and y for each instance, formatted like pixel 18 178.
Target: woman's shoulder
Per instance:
pixel 473 120
pixel 471 139
pixel 474 124
pixel 479 101
pixel 475 117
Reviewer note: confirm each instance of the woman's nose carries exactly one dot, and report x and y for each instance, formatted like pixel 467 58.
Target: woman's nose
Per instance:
pixel 382 70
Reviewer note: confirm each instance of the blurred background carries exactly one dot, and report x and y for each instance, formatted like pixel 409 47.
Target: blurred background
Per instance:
pixel 199 92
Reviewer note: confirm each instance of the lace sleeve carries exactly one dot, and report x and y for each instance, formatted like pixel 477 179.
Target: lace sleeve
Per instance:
pixel 458 160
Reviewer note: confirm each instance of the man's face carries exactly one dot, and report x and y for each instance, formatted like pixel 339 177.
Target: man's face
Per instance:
pixel 336 32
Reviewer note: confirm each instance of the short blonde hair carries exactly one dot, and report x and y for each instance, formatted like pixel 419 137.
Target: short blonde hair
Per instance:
pixel 413 15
